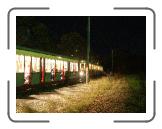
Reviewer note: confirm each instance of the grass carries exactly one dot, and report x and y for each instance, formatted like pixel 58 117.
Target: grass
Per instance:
pixel 86 97
pixel 136 102
pixel 125 94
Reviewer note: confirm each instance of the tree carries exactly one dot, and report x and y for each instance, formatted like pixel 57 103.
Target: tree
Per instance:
pixel 33 34
pixel 41 37
pixel 72 44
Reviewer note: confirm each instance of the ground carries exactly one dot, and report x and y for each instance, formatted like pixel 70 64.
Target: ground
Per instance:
pixel 115 94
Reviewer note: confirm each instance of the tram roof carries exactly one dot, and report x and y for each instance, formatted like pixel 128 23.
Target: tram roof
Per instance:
pixel 38 53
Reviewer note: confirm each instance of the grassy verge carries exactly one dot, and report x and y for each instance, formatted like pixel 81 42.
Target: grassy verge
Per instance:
pixel 88 93
pixel 136 102
pixel 119 93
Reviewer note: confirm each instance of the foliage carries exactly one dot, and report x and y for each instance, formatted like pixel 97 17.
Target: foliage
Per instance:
pixel 73 44
pixel 33 34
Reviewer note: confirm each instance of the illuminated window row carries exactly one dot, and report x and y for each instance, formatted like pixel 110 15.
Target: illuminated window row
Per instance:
pixel 25 62
pixel 91 67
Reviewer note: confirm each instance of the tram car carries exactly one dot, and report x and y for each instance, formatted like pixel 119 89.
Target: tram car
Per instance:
pixel 37 69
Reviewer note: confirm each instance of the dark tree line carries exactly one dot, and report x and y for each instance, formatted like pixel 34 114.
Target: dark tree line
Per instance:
pixel 34 34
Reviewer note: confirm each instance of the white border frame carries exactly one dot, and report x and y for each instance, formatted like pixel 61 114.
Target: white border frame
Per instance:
pixel 82 116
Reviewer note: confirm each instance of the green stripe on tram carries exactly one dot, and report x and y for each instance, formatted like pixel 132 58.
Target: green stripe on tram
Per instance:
pixel 37 54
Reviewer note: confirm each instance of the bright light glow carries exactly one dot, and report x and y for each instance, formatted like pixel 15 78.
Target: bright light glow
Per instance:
pixel 82 61
pixel 59 57
pixel 81 73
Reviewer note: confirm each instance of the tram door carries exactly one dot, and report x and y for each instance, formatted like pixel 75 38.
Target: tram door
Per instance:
pixel 27 70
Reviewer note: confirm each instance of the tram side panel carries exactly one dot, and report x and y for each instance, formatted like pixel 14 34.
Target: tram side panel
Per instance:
pixel 20 72
pixel 35 71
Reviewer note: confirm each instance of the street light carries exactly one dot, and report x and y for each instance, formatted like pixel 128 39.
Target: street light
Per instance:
pixel 88 50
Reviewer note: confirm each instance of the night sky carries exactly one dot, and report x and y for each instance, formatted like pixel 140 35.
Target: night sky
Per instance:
pixel 126 35
pixel 59 25
pixel 106 31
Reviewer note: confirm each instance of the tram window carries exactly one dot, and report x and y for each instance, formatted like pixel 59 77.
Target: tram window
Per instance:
pixel 52 64
pixel 61 65
pixel 90 66
pixel 35 64
pixel 58 65
pixel 19 63
pixel 82 66
pixel 76 66
pixel 65 66
pixel 47 65
pixel 71 66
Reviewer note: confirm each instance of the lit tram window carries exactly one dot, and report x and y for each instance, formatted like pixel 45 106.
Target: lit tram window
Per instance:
pixel 47 65
pixel 35 64
pixel 61 65
pixel 90 66
pixel 76 66
pixel 19 63
pixel 65 66
pixel 71 67
pixel 82 66
pixel 93 67
pixel 52 64
pixel 58 65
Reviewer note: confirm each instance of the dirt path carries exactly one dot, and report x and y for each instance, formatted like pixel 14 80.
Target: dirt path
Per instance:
pixel 100 95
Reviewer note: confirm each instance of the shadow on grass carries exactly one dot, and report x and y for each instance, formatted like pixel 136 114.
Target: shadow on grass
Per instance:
pixel 45 89
pixel 49 87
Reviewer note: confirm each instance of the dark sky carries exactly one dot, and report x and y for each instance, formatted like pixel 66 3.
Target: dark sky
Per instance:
pixel 125 33
pixel 59 25
pixel 107 32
